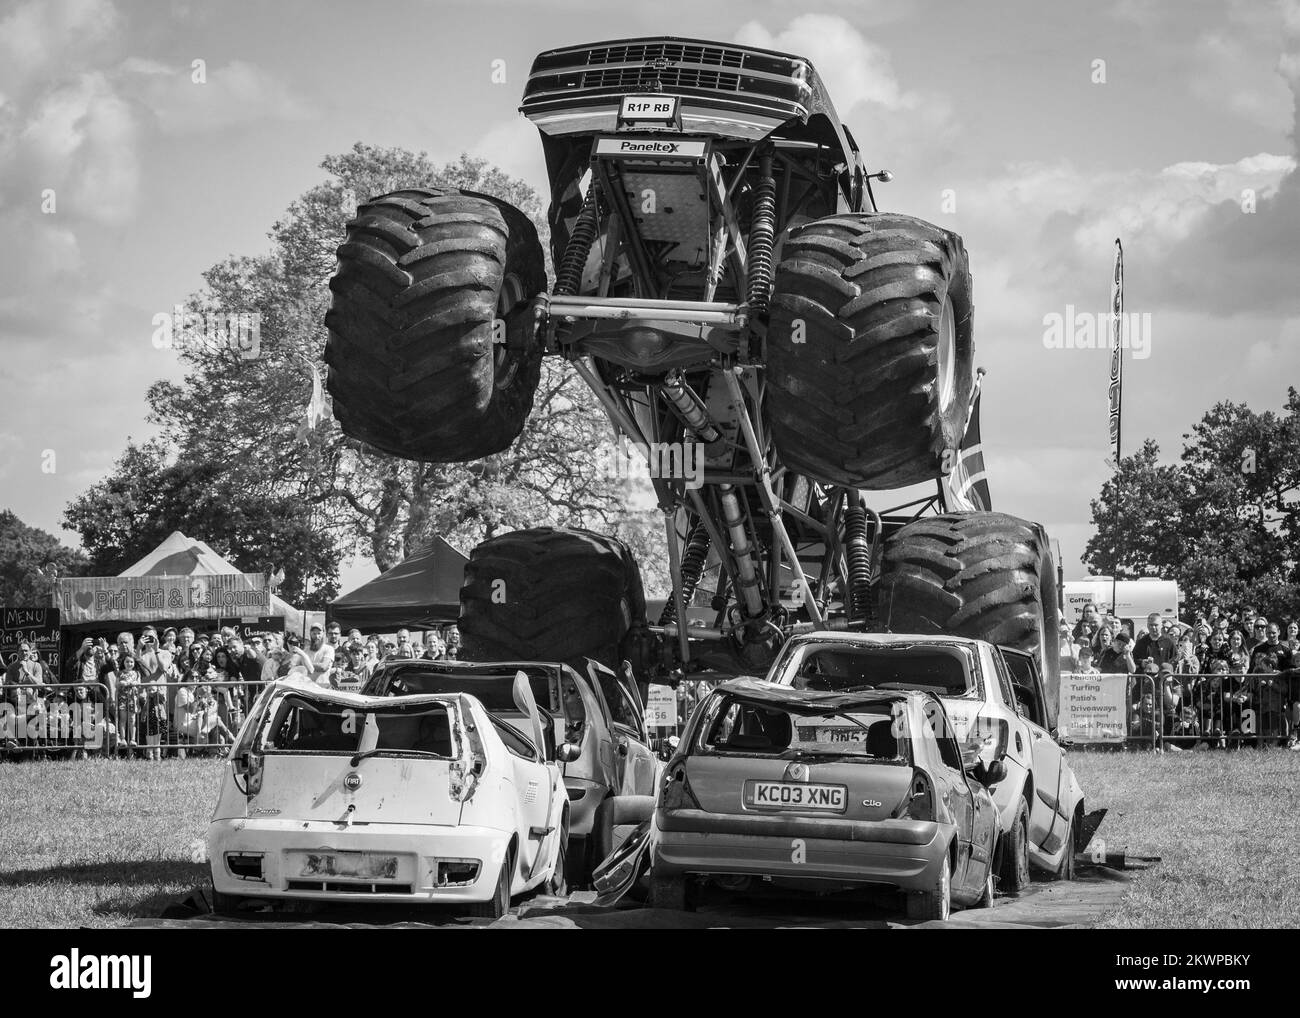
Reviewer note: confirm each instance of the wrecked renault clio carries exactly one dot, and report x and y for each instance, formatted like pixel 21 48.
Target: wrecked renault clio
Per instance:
pixel 824 792
pixel 333 796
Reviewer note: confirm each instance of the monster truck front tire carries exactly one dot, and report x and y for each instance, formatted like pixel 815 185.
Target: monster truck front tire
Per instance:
pixel 988 576
pixel 869 350
pixel 550 594
pixel 418 365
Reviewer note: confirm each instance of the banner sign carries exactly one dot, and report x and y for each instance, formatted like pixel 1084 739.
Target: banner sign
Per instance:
pixel 36 625
pixel 661 707
pixel 148 598
pixel 262 626
pixel 1116 391
pixel 1094 708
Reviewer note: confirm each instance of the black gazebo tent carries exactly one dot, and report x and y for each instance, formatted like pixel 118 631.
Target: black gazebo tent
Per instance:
pixel 420 592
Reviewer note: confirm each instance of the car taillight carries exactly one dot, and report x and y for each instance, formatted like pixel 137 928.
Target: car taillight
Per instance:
pixel 920 801
pixel 677 792
pixel 248 767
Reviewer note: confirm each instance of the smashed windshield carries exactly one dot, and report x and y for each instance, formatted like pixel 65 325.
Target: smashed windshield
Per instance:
pixel 841 668
pixel 299 725
pixel 865 732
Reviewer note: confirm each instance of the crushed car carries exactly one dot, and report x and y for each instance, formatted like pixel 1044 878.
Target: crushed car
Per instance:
pixel 824 792
pixel 999 707
pixel 599 713
pixel 343 797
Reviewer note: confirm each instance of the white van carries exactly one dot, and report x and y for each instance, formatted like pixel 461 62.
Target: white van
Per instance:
pixel 1133 599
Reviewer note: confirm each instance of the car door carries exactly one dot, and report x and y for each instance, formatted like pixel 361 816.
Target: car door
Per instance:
pixel 950 782
pixel 1047 753
pixel 533 787
pixel 634 763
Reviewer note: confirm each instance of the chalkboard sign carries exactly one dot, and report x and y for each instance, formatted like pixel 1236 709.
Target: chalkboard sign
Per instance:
pixel 38 625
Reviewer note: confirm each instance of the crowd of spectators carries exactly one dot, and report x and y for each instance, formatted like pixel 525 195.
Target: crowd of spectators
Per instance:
pixel 1222 679
pixel 180 692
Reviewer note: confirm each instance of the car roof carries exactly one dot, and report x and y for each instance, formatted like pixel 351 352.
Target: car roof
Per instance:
pixel 775 694
pixel 889 639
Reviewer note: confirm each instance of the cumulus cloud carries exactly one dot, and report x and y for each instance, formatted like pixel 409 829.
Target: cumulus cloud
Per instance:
pixel 44 36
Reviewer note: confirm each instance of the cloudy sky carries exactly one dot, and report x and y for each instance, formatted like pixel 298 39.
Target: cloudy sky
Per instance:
pixel 1038 130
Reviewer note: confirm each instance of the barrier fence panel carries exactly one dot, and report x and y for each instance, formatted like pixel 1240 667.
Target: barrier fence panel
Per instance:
pixel 54 719
pixel 1203 710
pixel 135 719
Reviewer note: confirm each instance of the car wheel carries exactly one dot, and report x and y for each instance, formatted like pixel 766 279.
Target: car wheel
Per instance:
pixel 1066 870
pixel 986 898
pixel 499 904
pixel 558 884
pixel 1015 852
pixel 936 903
pixel 671 892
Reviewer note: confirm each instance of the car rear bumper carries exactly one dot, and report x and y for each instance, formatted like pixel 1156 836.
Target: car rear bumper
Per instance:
pixel 294 860
pixel 906 854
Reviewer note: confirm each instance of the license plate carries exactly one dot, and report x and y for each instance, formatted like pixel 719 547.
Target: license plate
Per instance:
pixel 795 796
pixel 659 109
pixel 349 864
pixel 845 734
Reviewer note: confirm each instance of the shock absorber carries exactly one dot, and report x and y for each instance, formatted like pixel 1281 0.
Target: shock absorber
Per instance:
pixel 857 549
pixel 689 406
pixel 569 277
pixel 697 550
pixel 747 584
pixel 762 237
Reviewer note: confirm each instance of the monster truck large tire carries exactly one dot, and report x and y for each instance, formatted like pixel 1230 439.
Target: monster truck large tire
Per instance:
pixel 869 350
pixel 423 276
pixel 550 594
pixel 988 576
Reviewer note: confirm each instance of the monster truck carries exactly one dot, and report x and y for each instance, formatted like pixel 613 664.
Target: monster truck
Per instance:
pixel 772 343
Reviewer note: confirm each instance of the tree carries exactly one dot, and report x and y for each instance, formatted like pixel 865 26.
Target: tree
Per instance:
pixel 147 497
pixel 1224 522
pixel 247 414
pixel 30 560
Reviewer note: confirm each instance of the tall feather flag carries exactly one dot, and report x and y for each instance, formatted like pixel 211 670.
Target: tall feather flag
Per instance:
pixel 968 484
pixel 1115 392
pixel 315 405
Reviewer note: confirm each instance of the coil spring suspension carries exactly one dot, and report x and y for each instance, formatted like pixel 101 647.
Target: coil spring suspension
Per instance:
pixel 697 550
pixel 762 237
pixel 569 278
pixel 857 549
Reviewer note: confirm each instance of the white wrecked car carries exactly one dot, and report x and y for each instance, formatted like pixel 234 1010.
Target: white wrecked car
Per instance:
pixel 336 796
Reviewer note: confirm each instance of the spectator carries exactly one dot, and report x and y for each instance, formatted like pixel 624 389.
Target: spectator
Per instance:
pixel 1088 625
pixel 1215 650
pixel 1085 665
pixel 434 648
pixel 1116 659
pixel 403 650
pixel 1292 640
pixel 354 636
pixel 353 672
pixel 321 658
pixel 1212 700
pixel 1257 635
pixel 372 653
pixel 451 637
pixel 1171 695
pixel 169 641
pixel 1237 658
pixel 1185 661
pixel 230 699
pixel 130 705
pixel 83 667
pixel 1105 635
pixel 1154 643
pixel 248 669
pixel 185 641
pixel 334 636
pixel 1143 718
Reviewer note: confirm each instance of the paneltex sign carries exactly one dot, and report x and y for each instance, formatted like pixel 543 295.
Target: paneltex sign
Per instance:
pixel 145 598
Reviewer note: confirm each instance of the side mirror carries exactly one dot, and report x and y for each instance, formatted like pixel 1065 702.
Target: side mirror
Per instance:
pixel 568 753
pixel 993 773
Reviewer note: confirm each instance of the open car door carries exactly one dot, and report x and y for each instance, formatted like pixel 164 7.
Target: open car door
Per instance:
pixel 1031 702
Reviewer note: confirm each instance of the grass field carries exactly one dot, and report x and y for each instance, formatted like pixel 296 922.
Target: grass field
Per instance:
pixel 1226 826
pixel 99 843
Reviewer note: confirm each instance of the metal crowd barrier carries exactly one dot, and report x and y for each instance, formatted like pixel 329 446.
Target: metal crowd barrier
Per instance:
pixel 147 720
pixel 1212 710
pixel 50 719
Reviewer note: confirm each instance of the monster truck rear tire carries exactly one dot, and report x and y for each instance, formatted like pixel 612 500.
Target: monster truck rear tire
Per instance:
pixel 423 276
pixel 869 350
pixel 550 594
pixel 988 576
